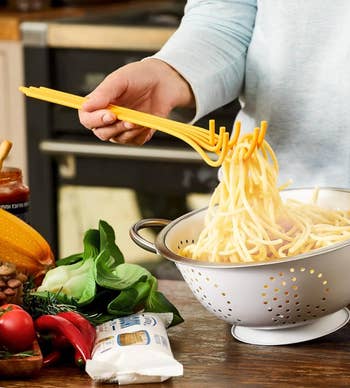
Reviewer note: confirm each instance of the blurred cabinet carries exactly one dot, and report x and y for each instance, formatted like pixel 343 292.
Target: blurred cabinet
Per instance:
pixel 12 110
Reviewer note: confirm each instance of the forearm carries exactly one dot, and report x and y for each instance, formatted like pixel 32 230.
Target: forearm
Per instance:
pixel 209 50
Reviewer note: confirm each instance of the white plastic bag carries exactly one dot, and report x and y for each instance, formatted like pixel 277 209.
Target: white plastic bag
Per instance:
pixel 133 349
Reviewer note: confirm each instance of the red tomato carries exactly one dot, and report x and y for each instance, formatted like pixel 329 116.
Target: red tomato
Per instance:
pixel 17 331
pixel 10 306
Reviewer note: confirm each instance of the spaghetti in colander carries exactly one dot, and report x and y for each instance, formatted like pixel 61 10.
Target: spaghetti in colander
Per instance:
pixel 247 221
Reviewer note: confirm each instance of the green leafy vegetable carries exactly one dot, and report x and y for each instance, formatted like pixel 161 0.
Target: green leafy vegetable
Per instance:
pixel 76 280
pixel 70 259
pixel 99 284
pixel 131 298
pixel 117 277
pixel 107 242
pixel 157 302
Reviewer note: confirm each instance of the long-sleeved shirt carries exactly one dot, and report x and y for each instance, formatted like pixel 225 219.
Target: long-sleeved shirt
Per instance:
pixel 288 62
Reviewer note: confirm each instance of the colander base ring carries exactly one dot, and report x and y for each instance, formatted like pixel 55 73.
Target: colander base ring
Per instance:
pixel 292 335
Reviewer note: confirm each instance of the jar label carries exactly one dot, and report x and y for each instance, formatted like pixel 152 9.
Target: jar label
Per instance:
pixel 19 209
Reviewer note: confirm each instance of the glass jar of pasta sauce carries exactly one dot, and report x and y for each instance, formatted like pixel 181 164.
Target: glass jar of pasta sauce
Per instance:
pixel 14 194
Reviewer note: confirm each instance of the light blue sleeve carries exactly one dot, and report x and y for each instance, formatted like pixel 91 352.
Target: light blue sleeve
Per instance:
pixel 209 49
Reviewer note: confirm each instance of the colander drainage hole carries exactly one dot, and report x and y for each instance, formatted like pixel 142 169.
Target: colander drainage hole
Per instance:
pixel 181 243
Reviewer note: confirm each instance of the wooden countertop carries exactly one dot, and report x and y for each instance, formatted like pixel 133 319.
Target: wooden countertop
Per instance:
pixel 10 20
pixel 213 358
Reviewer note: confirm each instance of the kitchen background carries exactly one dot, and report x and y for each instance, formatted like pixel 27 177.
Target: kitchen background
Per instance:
pixel 75 179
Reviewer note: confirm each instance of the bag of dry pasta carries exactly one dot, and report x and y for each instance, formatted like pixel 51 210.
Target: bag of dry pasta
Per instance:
pixel 133 349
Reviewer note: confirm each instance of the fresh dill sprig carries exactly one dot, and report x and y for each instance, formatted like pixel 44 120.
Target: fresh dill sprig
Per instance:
pixel 50 303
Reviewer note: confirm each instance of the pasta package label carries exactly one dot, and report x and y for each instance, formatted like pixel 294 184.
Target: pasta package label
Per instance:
pixel 133 349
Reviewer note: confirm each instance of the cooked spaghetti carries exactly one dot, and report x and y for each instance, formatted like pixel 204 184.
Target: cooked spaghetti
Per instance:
pixel 247 221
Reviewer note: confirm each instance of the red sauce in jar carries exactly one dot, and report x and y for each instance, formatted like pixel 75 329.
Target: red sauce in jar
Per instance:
pixel 14 194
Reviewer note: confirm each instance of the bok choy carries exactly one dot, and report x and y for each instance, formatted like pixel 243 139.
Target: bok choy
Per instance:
pixel 100 284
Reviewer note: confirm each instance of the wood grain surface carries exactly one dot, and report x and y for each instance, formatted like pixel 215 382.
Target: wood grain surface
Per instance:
pixel 22 366
pixel 213 358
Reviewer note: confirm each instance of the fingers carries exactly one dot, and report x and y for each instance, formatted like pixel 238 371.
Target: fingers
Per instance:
pixel 107 127
pixel 124 133
pixel 96 119
pixel 144 137
pixel 136 136
pixel 93 112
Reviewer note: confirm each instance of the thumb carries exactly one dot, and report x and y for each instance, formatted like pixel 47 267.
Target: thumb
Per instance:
pixel 95 100
pixel 108 91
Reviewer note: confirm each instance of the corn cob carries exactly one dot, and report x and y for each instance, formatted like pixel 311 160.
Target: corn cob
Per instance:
pixel 23 246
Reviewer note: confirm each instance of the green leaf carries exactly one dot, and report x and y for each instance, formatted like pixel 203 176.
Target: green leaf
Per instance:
pixel 158 303
pixel 56 277
pixel 91 244
pixel 76 280
pixel 87 278
pixel 131 299
pixel 110 274
pixel 70 259
pixel 107 242
pixel 96 311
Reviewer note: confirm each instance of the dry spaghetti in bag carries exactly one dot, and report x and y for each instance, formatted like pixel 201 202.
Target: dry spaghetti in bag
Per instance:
pixel 134 349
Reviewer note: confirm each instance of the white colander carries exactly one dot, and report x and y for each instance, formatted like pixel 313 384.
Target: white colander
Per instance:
pixel 270 303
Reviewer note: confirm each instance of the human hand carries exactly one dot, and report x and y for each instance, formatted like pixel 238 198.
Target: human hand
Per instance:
pixel 150 86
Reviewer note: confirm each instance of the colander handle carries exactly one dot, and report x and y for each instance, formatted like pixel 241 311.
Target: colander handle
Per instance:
pixel 143 224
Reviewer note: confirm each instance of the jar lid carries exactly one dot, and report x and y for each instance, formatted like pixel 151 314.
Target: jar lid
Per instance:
pixel 8 174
